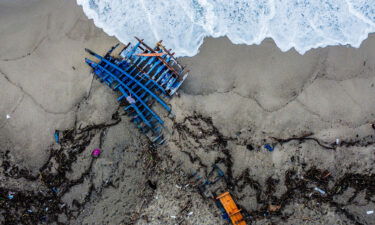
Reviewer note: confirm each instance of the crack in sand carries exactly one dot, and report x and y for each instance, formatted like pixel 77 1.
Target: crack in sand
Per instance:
pixel 39 104
pixel 275 109
pixel 365 73
pixel 73 142
pixel 306 108
pixel 27 54
pixel 349 95
pixel 14 109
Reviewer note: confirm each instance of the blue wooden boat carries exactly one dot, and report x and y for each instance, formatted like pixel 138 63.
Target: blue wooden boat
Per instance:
pixel 141 75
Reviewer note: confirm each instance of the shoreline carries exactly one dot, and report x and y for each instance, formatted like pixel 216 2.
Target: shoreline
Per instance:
pixel 236 99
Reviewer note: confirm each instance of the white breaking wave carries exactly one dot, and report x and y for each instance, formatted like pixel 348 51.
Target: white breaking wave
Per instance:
pixel 183 24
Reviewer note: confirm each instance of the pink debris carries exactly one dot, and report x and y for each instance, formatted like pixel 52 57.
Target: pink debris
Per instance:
pixel 96 152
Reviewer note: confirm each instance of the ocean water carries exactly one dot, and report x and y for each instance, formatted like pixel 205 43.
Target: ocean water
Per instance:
pixel 183 24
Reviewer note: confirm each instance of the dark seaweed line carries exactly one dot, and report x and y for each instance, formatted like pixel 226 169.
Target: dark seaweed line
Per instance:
pixel 74 142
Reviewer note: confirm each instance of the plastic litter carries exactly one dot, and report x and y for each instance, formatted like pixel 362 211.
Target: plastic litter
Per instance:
pixel 338 141
pixel 8 116
pixel 370 212
pixel 173 217
pixel 57 136
pixel 96 152
pixel 56 190
pixel 268 147
pixel 319 190
pixel 190 213
pixel 29 211
pixel 11 195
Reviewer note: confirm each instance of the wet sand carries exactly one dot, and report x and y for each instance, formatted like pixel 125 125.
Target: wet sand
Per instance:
pixel 236 99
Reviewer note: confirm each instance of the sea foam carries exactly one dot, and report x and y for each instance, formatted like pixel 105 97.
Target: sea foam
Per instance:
pixel 183 24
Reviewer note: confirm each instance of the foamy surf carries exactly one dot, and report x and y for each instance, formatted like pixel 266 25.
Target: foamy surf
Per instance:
pixel 183 24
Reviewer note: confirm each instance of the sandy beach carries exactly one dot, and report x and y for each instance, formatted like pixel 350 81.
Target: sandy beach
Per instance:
pixel 315 109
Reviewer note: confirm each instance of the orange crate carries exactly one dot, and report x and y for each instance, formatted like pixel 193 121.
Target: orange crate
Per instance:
pixel 231 208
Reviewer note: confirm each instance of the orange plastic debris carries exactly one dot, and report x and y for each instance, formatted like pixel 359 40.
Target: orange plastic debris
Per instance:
pixel 231 208
pixel 151 54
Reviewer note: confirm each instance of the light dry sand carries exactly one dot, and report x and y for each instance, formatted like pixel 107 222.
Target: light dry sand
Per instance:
pixel 236 99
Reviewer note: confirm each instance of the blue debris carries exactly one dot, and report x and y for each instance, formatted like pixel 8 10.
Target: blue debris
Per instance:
pixel 268 147
pixel 10 196
pixel 56 190
pixel 224 214
pixel 141 75
pixel 57 136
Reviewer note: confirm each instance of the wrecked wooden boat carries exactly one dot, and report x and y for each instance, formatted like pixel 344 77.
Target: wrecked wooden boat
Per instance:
pixel 141 76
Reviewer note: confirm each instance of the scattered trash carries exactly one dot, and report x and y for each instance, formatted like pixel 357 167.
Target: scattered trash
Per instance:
pixel 274 208
pixel 29 211
pixel 11 195
pixel 319 190
pixel 215 175
pixel 338 141
pixel 268 147
pixel 178 186
pixel 173 217
pixel 56 190
pixel 96 152
pixel 231 209
pixel 8 116
pixel 190 213
pixel 46 209
pixel 370 212
pixel 57 136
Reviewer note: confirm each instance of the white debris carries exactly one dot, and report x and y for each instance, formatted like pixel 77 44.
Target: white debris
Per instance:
pixel 337 141
pixel 319 190
pixel 370 212
pixel 190 213
pixel 8 116
pixel 173 217
pixel 177 186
